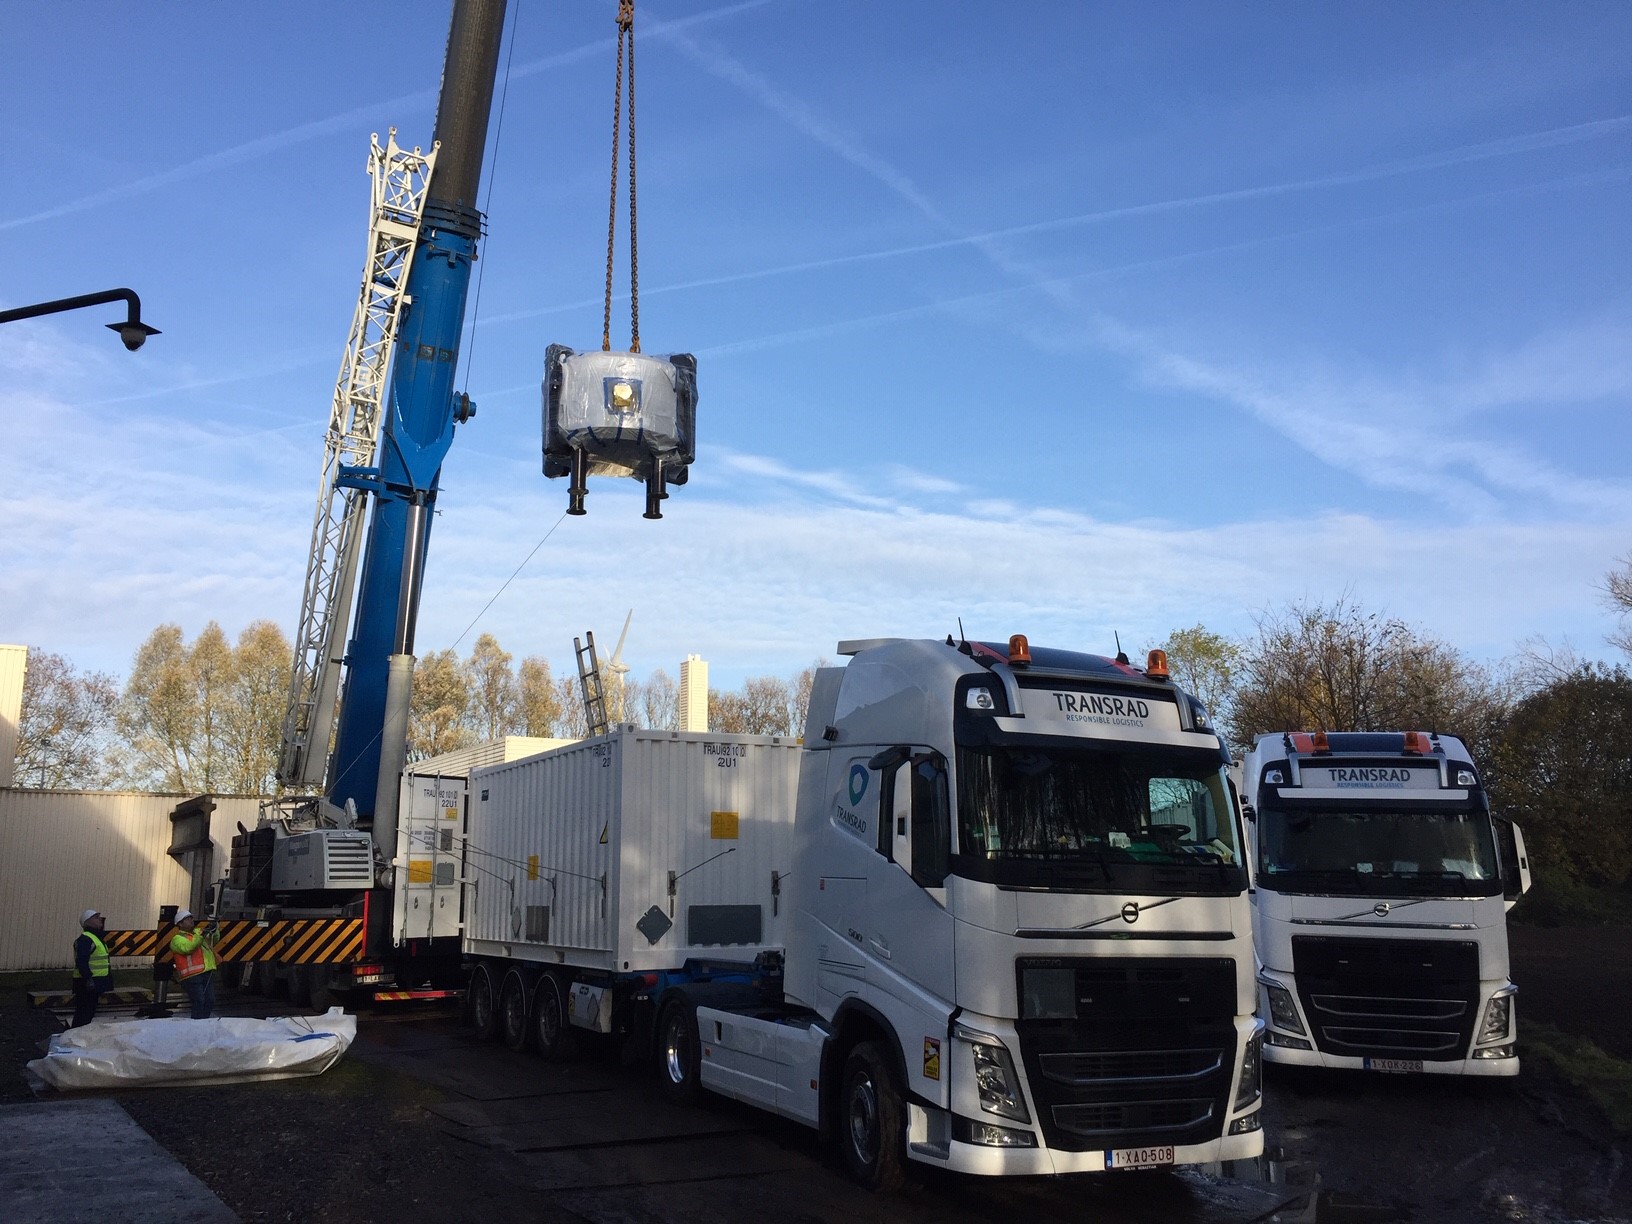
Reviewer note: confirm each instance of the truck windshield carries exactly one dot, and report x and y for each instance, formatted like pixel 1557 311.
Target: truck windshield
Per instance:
pixel 1025 813
pixel 1377 852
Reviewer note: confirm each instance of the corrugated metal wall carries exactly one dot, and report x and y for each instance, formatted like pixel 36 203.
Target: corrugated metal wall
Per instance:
pixel 651 795
pixel 65 851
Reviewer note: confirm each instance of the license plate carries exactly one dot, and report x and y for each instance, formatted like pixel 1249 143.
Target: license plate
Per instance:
pixel 1401 1066
pixel 1139 1158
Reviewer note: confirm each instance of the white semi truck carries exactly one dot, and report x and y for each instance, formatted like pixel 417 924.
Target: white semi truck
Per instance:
pixel 1381 885
pixel 990 915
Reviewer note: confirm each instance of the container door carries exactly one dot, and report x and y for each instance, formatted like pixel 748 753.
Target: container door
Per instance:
pixel 430 841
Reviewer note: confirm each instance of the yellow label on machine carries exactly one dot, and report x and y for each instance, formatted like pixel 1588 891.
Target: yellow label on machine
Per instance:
pixel 450 813
pixel 722 826
pixel 420 870
pixel 532 866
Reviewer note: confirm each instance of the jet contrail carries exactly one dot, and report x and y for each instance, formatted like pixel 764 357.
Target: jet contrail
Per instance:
pixel 346 120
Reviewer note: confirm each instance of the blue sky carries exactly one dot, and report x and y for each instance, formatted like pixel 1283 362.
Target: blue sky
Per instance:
pixel 1061 319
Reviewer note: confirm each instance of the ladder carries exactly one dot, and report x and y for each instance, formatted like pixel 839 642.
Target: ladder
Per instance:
pixel 589 678
pixel 400 181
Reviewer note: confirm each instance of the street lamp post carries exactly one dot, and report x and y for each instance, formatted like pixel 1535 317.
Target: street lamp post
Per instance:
pixel 132 331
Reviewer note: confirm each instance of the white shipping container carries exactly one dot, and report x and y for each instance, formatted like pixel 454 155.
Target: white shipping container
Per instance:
pixel 633 851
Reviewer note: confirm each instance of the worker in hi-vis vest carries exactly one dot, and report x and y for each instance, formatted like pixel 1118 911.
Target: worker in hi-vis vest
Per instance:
pixel 91 979
pixel 194 949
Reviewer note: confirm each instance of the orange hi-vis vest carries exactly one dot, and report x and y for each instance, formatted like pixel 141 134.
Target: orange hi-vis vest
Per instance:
pixel 193 955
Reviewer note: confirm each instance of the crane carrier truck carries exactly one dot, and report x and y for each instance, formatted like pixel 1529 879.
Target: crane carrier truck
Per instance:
pixel 1379 912
pixel 990 915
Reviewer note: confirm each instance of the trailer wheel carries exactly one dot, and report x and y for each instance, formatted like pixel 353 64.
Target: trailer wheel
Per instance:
pixel 872 1120
pixel 484 1012
pixel 552 1031
pixel 513 1026
pixel 678 1052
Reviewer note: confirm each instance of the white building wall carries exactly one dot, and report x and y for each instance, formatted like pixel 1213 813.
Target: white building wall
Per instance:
pixel 694 694
pixel 66 851
pixel 13 660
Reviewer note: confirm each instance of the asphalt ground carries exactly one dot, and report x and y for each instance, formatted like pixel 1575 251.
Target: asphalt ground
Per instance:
pixel 422 1121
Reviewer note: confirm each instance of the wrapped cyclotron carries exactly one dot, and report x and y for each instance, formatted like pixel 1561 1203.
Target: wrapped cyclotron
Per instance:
pixel 619 414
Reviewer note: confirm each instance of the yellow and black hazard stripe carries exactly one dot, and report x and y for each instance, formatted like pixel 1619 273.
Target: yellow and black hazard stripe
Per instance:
pixel 298 941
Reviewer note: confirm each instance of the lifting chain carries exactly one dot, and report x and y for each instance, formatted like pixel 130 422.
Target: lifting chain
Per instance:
pixel 626 29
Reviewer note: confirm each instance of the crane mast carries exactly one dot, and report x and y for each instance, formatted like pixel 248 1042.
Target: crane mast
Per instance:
pixel 399 179
pixel 385 454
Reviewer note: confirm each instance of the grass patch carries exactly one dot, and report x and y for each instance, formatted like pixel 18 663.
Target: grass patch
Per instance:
pixel 1603 1077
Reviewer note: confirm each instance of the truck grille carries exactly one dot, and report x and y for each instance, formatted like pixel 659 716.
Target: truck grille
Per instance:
pixel 1141 1117
pixel 1146 1058
pixel 1388 997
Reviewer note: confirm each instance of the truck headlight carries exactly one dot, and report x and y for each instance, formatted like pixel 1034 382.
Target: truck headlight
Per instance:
pixel 1498 1018
pixel 995 1078
pixel 1282 1010
pixel 1252 1071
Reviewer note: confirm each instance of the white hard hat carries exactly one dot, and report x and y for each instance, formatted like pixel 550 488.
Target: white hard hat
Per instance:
pixel 182 915
pixel 88 915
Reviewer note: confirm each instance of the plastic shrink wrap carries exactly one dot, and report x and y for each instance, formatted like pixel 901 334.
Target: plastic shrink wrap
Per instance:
pixel 122 1053
pixel 619 414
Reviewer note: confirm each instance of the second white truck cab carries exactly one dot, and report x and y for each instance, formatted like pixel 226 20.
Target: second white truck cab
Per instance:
pixel 1381 885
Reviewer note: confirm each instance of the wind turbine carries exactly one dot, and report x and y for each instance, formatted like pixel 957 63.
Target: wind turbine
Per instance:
pixel 618 669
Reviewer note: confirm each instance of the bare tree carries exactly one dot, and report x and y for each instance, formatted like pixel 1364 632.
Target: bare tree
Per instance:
pixel 727 713
pixel 1341 668
pixel 572 722
pixel 66 717
pixel 660 702
pixel 1618 587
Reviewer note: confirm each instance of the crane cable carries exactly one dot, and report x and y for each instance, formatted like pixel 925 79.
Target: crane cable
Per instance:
pixel 626 30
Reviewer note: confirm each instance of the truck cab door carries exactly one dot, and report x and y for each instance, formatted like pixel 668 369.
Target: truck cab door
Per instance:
pixel 1515 862
pixel 909 930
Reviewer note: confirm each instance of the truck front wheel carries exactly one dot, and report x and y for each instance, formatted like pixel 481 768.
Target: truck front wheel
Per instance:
pixel 872 1120
pixel 678 1052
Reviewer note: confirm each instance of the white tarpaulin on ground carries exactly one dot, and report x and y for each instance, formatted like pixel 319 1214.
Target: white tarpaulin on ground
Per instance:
pixel 222 1049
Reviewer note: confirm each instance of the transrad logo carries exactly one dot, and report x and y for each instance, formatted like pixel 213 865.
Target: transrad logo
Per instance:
pixel 858 783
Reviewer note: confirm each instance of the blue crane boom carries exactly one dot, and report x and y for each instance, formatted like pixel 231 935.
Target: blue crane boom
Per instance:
pixel 420 412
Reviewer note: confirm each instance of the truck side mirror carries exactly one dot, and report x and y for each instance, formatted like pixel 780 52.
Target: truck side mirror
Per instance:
pixel 1514 861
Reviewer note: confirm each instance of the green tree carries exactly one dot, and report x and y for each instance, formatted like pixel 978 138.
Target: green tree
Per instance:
pixel 1563 770
pixel 252 718
pixel 210 668
pixel 1205 663
pixel 205 717
pixel 492 689
pixel 438 708
pixel 158 714
pixel 538 703
pixel 66 718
